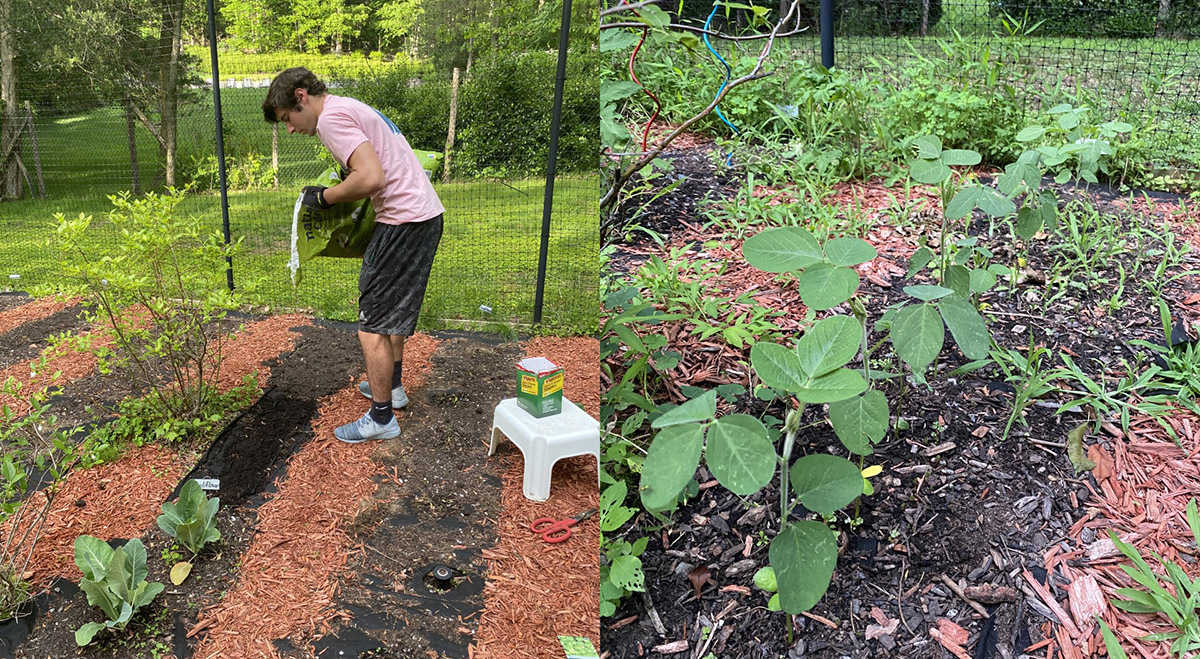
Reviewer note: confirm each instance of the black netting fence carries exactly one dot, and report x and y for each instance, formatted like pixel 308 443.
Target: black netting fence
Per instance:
pixel 119 98
pixel 1131 60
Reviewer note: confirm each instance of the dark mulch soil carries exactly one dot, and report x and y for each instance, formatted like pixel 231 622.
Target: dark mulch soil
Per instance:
pixel 440 513
pixel 953 499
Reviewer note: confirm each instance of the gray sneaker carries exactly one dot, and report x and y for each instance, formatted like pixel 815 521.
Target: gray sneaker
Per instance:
pixel 365 429
pixel 399 399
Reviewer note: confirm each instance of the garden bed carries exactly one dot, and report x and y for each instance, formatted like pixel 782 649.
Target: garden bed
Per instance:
pixel 325 546
pixel 936 564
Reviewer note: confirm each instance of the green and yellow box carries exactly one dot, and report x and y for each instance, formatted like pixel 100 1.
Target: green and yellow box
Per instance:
pixel 539 386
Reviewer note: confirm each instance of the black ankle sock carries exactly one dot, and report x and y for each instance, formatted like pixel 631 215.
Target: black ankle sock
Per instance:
pixel 397 367
pixel 381 412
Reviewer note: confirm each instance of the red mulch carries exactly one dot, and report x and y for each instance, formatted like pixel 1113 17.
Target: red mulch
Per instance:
pixel 536 591
pixel 33 311
pixel 115 500
pixel 1145 484
pixel 246 350
pixel 288 579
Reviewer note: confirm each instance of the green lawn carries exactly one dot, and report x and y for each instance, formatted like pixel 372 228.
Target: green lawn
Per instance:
pixel 488 255
pixel 266 65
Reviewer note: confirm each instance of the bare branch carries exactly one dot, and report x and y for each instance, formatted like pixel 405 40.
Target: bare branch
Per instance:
pixel 700 30
pixel 628 7
pixel 623 177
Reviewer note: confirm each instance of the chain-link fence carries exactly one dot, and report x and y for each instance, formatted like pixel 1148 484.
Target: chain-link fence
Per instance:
pixel 129 106
pixel 1135 60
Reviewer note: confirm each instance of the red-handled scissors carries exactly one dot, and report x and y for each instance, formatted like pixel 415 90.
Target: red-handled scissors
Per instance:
pixel 558 530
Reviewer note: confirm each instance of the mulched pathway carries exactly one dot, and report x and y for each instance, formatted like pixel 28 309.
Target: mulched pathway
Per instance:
pixel 971 545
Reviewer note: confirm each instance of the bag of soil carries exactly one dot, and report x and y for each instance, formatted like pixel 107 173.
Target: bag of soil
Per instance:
pixel 340 232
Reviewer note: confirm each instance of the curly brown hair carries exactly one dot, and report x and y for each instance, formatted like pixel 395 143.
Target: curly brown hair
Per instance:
pixel 282 93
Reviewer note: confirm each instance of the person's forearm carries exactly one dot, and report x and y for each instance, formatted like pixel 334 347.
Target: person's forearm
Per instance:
pixel 358 185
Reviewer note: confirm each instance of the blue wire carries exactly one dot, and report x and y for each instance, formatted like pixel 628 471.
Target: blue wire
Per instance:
pixel 724 82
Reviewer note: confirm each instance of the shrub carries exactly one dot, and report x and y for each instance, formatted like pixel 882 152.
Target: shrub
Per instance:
pixel 419 104
pixel 1099 18
pixel 504 113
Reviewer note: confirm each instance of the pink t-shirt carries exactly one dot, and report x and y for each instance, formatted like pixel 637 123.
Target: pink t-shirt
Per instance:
pixel 407 194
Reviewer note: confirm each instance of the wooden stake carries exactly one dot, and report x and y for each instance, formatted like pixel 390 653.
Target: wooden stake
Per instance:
pixel 450 133
pixel 275 152
pixel 37 158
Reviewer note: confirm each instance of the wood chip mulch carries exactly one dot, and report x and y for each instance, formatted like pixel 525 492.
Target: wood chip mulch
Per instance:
pixel 245 351
pixel 34 310
pixel 288 580
pixel 536 591
pixel 1145 483
pixel 115 500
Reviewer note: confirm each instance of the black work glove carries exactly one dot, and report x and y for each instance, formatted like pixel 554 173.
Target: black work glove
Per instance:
pixel 314 197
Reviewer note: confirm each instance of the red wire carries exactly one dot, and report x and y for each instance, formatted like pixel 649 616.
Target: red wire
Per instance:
pixel 632 75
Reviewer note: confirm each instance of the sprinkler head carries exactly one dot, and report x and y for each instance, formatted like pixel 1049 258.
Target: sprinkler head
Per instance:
pixel 442 575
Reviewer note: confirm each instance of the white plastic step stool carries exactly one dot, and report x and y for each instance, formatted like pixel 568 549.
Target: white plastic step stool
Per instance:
pixel 546 440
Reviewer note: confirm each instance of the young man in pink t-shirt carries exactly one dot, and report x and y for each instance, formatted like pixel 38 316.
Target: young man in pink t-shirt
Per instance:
pixel 408 216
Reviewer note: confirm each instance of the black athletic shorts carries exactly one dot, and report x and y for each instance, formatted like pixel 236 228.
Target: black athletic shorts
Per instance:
pixel 395 270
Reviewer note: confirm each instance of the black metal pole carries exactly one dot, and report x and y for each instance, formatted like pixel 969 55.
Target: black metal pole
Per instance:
pixel 827 33
pixel 216 85
pixel 555 119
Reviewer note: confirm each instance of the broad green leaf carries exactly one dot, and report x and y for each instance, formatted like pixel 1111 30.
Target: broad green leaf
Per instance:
pixel 782 250
pixel 626 572
pixel 918 334
pixel 995 204
pixel 778 367
pixel 982 281
pixel 700 408
pixel 826 483
pixel 860 421
pixel 99 595
pixel 1117 126
pixel 192 534
pixel 615 90
pixel 120 575
pixel 928 292
pixel 191 496
pixel 838 385
pixel 958 279
pixel 92 556
pixel 653 16
pixel 611 40
pixel 1061 108
pixel 765 579
pixel 1010 181
pixel 803 555
pixel 1030 133
pixel 929 172
pixel 961 157
pixel 829 344
pixel 739 454
pixel 1029 222
pixel 1063 176
pixel 849 251
pixel 929 147
pixel 146 593
pixel 1068 121
pixel 87 632
pixel 919 260
pixel 670 464
pixel 773 603
pixel 964 202
pixel 967 327
pixel 824 286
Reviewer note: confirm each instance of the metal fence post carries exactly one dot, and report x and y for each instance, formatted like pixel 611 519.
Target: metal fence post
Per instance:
pixel 216 85
pixel 555 119
pixel 827 33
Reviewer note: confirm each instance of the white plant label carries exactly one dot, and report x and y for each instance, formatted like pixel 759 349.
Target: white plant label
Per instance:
pixel 211 484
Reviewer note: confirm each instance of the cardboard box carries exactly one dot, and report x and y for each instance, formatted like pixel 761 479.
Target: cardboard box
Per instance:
pixel 539 386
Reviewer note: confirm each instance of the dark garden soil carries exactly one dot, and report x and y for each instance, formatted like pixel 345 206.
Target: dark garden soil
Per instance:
pixel 955 506
pixel 436 504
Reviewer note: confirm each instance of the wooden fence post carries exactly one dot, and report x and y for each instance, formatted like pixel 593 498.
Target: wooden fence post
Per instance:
pixel 37 158
pixel 453 117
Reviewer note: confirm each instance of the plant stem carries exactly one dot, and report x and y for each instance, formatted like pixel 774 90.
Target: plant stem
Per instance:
pixel 791 426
